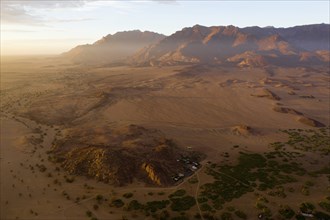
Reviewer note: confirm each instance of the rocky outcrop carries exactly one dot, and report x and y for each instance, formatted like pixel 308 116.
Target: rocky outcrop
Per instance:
pixel 99 163
pixel 302 118
pixel 130 153
pixel 242 130
pixel 310 122
pixel 266 93
pixel 286 110
pixel 151 173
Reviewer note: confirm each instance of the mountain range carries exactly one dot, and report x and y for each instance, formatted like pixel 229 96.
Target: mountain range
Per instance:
pixel 226 45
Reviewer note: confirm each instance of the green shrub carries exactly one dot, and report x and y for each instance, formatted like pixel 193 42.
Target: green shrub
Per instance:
pixel 325 205
pixel 240 214
pixel 202 199
pixel 180 218
pixel 197 216
pixel 193 180
pixel 321 215
pixel 99 198
pixel 89 213
pixel 178 193
pixel 226 216
pixel 305 191
pixel 183 203
pixel 118 203
pixel 128 195
pixel 205 207
pixel 306 207
pixel 134 205
pixel 153 206
pixel 286 212
pixel 300 217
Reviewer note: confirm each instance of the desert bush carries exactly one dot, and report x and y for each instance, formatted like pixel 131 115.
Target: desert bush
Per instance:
pixel 153 206
pixel 205 207
pixel 286 212
pixel 240 214
pixel 134 205
pixel 95 207
pixel 183 203
pixel 89 213
pixel 178 193
pixel 128 195
pixel 325 205
pixel 118 203
pixel 307 207
pixel 226 216
pixel 99 198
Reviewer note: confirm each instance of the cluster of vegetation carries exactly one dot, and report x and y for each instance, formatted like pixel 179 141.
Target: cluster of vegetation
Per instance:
pixel 305 188
pixel 66 195
pixel 90 215
pixel 99 198
pixel 178 201
pixel 193 180
pixel 286 212
pixel 264 209
pixel 41 167
pixel 33 212
pixel 232 211
pixel 178 193
pixel 240 214
pixel 86 186
pixel 134 205
pixel 226 216
pixel 252 172
pixel 325 204
pixel 230 214
pixel 309 208
pixel 181 201
pixel 278 191
pixel 149 207
pixel 118 203
pixel 128 195
pixel 314 140
pixel 153 206
pixel 284 155
pixel 69 179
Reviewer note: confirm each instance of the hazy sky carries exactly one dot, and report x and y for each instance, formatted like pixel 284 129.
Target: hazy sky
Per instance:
pixel 51 27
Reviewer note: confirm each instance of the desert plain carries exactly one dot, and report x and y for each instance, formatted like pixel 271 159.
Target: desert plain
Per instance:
pixel 261 136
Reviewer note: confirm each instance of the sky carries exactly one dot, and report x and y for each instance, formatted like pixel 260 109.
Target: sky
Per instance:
pixel 53 27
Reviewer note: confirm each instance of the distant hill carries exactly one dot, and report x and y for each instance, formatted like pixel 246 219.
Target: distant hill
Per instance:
pixel 251 46
pixel 112 48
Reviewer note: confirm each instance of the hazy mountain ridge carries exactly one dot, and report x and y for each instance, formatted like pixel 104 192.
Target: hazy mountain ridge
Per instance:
pixel 112 48
pixel 251 46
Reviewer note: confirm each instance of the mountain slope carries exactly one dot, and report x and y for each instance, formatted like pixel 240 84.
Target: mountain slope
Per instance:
pixel 309 37
pixel 252 46
pixel 112 48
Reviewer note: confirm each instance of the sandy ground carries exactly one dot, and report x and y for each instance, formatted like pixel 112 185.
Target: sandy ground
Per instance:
pixel 198 109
